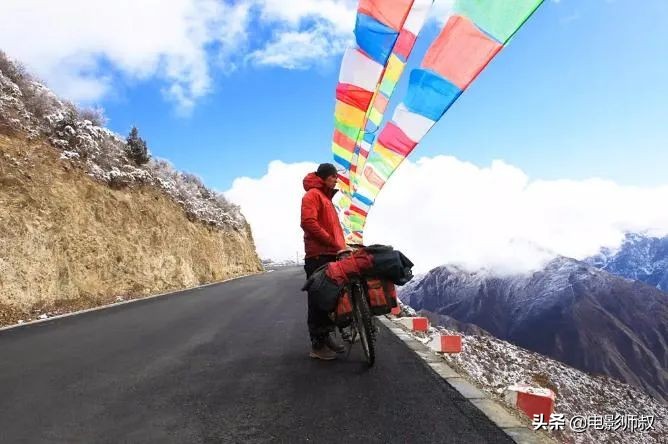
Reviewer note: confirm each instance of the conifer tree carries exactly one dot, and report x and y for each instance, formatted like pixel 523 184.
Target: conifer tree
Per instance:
pixel 136 148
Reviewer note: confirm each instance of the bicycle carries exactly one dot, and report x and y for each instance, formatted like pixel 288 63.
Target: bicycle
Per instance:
pixel 362 324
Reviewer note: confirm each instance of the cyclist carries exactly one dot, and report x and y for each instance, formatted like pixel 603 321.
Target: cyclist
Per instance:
pixel 323 238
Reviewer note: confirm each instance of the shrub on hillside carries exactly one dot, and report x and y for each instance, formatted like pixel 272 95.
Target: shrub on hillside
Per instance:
pixel 136 148
pixel 93 115
pixel 37 99
pixel 15 71
pixel 28 107
pixel 64 130
pixel 110 154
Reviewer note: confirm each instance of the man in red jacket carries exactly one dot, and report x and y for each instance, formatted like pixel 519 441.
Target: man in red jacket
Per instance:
pixel 323 239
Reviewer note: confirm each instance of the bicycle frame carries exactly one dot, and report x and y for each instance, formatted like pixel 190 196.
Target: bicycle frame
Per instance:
pixel 362 323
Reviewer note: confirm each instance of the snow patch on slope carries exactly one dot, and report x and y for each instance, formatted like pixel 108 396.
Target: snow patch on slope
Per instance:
pixel 493 365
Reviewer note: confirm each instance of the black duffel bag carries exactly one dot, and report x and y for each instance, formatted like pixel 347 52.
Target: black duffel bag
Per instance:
pixel 322 291
pixel 390 264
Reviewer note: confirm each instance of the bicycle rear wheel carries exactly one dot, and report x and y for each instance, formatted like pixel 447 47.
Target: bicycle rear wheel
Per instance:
pixel 364 324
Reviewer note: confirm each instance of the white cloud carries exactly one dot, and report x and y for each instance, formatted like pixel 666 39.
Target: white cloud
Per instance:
pixel 76 45
pixel 85 49
pixel 339 13
pixel 442 210
pixel 76 79
pixel 274 221
pixel 301 49
pixel 312 30
pixel 304 32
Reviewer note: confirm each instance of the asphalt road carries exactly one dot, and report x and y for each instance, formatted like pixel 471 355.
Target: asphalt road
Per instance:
pixel 225 363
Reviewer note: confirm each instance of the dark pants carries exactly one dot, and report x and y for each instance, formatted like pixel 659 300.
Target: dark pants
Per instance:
pixel 319 323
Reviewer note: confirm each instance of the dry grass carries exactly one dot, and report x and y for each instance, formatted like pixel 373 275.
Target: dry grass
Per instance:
pixel 68 242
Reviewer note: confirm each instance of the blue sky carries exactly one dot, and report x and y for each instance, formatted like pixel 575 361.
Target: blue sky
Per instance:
pixel 580 92
pixel 222 89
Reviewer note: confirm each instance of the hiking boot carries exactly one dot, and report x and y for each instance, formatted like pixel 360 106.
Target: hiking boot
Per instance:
pixel 333 345
pixel 322 352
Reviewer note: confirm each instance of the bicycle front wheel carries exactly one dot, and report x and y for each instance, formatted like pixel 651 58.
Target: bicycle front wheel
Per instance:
pixel 364 323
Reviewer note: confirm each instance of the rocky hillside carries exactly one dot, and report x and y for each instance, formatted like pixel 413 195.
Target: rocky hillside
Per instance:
pixel 640 257
pixel 82 224
pixel 587 318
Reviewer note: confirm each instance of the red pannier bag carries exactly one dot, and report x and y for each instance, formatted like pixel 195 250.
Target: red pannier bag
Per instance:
pixel 344 309
pixel 356 264
pixel 382 295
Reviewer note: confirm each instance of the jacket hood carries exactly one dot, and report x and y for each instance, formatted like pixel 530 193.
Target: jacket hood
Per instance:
pixel 313 181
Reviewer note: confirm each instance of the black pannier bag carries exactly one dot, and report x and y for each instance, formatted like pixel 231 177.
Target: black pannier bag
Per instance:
pixel 323 292
pixel 390 264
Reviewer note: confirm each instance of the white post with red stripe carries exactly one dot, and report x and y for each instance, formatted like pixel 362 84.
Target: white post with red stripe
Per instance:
pixel 531 400
pixel 446 343
pixel 416 323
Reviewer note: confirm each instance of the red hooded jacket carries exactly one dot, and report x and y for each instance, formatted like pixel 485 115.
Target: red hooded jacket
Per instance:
pixel 320 222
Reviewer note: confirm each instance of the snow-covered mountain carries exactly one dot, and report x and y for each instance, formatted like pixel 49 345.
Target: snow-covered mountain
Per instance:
pixel 640 257
pixel 585 317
